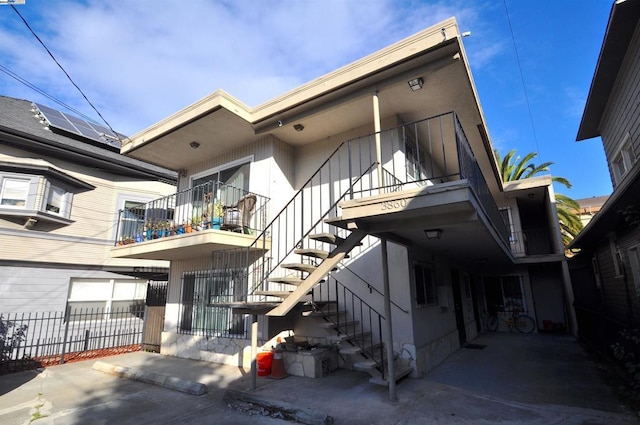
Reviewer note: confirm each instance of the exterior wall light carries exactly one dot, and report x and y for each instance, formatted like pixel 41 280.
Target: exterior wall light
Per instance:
pixel 194 144
pixel 298 127
pixel 416 83
pixel 433 233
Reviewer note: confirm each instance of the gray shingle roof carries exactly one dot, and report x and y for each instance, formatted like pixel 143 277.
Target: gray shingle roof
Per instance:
pixel 19 127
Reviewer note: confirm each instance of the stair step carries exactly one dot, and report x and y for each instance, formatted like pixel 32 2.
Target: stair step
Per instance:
pixel 400 372
pixel 327 238
pixel 342 325
pixel 310 252
pixel 365 365
pixel 322 313
pixel 279 294
pixel 345 337
pixel 286 280
pixel 301 267
pixel 354 349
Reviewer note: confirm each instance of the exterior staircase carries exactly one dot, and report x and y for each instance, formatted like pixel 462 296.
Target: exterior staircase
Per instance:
pixel 305 247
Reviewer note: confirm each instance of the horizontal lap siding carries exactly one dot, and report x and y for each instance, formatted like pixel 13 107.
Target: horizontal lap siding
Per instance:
pixel 622 113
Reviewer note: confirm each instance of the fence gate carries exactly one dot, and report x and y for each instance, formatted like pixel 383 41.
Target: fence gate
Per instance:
pixel 154 318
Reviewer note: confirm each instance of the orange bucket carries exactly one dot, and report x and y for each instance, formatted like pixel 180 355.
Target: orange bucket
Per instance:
pixel 264 360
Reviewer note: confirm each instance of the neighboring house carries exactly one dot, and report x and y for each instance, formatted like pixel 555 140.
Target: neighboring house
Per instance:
pixel 589 207
pixel 607 271
pixel 378 175
pixel 62 183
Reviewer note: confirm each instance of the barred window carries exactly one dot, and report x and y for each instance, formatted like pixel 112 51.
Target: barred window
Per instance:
pixel 205 303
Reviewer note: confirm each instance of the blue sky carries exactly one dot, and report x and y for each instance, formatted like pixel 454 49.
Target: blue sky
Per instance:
pixel 140 61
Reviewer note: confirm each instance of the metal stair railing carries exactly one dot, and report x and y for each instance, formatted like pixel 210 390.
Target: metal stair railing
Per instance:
pixel 352 317
pixel 438 151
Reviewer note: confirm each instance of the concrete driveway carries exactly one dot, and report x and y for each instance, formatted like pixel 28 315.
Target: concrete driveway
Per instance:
pixel 507 379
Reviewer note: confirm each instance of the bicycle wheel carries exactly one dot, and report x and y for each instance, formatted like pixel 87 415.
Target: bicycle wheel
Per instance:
pixel 492 323
pixel 524 324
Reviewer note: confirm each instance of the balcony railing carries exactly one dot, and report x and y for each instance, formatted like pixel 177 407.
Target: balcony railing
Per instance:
pixel 211 205
pixel 531 242
pixel 424 153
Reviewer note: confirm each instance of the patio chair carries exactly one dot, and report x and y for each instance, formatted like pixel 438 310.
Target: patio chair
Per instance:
pixel 238 217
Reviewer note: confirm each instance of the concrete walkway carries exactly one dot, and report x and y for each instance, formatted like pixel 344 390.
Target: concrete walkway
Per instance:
pixel 513 379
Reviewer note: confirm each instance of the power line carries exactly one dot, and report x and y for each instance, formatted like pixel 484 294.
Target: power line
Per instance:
pixel 63 70
pixel 42 92
pixel 524 86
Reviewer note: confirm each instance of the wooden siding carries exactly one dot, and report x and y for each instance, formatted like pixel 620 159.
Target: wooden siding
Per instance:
pixel 619 297
pixel 622 113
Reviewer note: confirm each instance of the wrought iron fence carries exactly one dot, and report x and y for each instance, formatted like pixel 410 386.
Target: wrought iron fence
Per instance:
pixel 38 339
pixel 212 205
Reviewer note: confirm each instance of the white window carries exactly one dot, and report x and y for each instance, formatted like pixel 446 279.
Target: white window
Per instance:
pixel 624 159
pixel 97 296
pixel 55 200
pixel 616 256
pixel 426 288
pixel 14 192
pixel 34 195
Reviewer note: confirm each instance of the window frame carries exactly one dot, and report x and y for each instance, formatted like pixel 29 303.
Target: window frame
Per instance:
pixel 40 188
pixel 201 288
pixel 426 291
pixel 624 159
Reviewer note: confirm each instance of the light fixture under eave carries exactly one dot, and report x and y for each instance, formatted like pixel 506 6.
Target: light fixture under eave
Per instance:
pixel 194 144
pixel 433 233
pixel 416 83
pixel 298 127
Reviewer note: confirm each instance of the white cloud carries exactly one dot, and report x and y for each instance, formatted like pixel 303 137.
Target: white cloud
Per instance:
pixel 140 61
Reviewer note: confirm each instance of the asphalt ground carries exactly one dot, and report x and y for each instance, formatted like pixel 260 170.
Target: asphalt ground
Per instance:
pixel 506 379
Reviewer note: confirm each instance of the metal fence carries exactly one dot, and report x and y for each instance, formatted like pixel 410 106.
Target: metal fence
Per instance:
pixel 29 340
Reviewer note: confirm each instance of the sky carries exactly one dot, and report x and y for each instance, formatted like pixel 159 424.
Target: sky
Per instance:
pixel 141 61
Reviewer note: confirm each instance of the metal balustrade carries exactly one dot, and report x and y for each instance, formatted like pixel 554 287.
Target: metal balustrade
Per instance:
pixel 212 205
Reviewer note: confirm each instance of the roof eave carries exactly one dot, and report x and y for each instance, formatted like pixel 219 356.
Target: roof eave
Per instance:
pixel 623 20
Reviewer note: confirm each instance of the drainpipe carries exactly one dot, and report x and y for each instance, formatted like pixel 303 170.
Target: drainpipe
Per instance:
pixel 376 129
pixel 254 350
pixel 391 373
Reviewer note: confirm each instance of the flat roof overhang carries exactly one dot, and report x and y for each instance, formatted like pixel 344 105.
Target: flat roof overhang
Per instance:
pixel 190 245
pixel 333 104
pixel 404 216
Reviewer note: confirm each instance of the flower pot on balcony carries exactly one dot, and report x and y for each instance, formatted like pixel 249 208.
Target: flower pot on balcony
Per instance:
pixel 216 223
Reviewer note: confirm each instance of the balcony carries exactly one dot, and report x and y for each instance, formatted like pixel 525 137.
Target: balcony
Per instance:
pixel 191 223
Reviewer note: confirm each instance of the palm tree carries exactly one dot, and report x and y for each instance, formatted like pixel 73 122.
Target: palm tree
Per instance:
pixel 514 168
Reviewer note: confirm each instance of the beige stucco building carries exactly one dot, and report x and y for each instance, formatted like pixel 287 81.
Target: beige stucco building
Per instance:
pixel 379 221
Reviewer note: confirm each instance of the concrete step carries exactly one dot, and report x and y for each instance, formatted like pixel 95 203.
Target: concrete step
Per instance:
pixel 301 267
pixel 400 372
pixel 345 337
pixel 348 349
pixel 321 313
pixel 286 280
pixel 279 294
pixel 310 252
pixel 327 238
pixel 342 325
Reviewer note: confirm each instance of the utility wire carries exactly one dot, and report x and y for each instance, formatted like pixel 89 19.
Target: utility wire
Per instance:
pixel 43 93
pixel 63 70
pixel 524 86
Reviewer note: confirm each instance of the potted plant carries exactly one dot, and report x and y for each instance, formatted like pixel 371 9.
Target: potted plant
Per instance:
pixel 218 213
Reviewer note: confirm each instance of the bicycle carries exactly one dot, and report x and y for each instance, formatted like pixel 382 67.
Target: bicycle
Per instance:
pixel 522 322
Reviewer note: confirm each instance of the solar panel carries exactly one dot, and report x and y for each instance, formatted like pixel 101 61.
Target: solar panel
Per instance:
pixel 74 125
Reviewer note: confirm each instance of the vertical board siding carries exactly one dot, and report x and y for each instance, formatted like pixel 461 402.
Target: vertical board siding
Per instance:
pixel 622 113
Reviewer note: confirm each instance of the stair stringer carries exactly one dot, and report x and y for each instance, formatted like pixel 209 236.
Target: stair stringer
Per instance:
pixel 337 255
